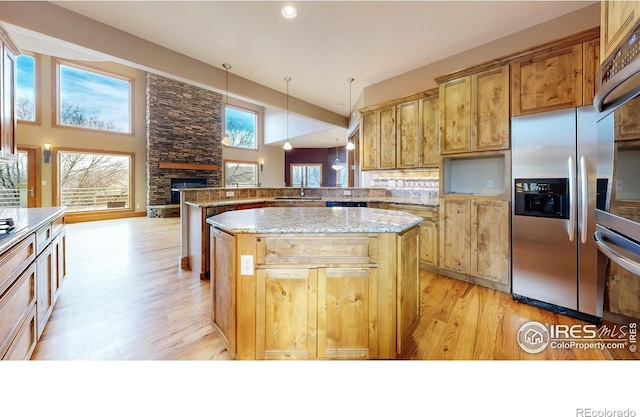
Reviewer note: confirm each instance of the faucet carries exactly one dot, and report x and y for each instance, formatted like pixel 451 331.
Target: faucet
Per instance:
pixel 304 169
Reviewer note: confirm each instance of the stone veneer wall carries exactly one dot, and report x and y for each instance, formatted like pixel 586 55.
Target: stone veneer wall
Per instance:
pixel 184 125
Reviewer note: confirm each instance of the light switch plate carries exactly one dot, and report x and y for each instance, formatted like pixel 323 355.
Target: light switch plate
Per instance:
pixel 246 265
pixel 347 192
pixel 230 193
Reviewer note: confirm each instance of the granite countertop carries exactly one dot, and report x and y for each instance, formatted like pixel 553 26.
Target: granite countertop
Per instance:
pixel 232 202
pixel 314 220
pixel 26 221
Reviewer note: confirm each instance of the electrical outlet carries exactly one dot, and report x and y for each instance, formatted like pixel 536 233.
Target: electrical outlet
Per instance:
pixel 137 206
pixel 489 183
pixel 230 194
pixel 246 265
pixel 347 192
pixel 618 185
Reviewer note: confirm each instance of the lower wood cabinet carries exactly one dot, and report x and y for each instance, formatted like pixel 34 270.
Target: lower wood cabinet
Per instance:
pixel 474 238
pixel 31 275
pixel 332 296
pixel 428 232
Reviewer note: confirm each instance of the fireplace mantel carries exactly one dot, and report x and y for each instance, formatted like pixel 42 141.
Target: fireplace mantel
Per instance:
pixel 200 167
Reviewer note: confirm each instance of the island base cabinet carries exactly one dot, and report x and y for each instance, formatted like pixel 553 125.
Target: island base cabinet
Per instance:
pixel 281 297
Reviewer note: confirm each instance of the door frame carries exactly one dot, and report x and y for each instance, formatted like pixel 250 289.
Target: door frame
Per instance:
pixel 34 173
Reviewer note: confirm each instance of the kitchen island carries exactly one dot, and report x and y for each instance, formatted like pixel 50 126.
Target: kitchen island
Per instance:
pixel 314 282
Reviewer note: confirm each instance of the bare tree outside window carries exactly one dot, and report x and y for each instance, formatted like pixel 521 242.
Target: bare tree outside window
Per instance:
pixel 240 174
pixel 241 126
pixel 92 181
pixel 13 179
pixel 311 173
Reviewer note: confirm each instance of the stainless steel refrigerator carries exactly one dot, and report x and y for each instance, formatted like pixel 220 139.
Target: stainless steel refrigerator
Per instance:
pixel 554 257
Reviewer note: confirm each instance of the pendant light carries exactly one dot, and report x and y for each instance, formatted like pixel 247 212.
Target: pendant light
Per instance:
pixel 226 140
pixel 336 164
pixel 350 145
pixel 287 145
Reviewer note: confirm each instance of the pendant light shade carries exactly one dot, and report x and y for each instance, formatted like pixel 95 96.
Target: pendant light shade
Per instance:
pixel 350 145
pixel 226 140
pixel 287 145
pixel 337 165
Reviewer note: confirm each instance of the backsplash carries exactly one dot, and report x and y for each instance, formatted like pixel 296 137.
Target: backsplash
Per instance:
pixel 402 184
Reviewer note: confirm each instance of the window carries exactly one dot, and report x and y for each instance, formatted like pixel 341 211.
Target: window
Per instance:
pixel 311 173
pixel 240 174
pixel 241 127
pixel 91 181
pixel 26 101
pixel 92 99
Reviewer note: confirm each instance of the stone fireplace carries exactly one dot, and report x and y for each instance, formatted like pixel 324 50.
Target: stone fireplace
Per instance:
pixel 184 129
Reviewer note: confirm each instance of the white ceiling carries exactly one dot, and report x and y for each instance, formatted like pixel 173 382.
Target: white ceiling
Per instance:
pixel 328 41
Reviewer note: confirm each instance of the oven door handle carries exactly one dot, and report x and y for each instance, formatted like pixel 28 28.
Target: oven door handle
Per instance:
pixel 614 255
pixel 572 198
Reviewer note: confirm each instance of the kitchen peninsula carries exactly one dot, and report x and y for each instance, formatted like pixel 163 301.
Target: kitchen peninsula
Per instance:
pixel 314 282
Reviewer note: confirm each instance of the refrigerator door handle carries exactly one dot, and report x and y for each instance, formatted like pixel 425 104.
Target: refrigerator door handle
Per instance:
pixel 584 200
pixel 572 198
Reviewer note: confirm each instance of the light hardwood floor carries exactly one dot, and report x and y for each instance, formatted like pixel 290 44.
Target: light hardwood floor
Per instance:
pixel 125 298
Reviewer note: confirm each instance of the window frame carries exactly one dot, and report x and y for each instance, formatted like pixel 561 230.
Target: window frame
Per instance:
pixel 291 176
pixel 256 123
pixel 233 161
pixel 36 88
pixel 93 214
pixel 56 106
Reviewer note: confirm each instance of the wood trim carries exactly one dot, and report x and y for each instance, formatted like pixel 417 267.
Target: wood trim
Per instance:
pixel 105 215
pixel 178 165
pixel 434 92
pixel 4 37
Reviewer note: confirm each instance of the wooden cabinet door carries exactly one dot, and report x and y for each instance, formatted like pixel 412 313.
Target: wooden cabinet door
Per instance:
pixel 286 313
pixel 455 235
pixel 627 121
pixel 617 19
pixel 347 306
pixel 429 243
pixel 387 140
pixel 408 135
pixel 45 292
pixel 408 282
pixel 59 245
pixel 430 131
pixel 490 240
pixel 455 116
pixel 491 121
pixel 8 147
pixel 222 287
pixel 369 140
pixel 547 82
pixel 591 65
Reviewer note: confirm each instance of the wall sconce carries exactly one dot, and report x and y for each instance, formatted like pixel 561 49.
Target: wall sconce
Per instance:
pixel 261 165
pixel 47 152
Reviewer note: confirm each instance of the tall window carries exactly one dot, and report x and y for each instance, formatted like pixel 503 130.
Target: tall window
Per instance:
pixel 241 127
pixel 310 173
pixel 92 99
pixel 90 181
pixel 26 88
pixel 240 174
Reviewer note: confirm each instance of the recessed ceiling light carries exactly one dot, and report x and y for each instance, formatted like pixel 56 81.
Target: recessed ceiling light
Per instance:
pixel 289 12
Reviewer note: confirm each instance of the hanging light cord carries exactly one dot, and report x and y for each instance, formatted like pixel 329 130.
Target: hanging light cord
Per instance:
pixel 287 79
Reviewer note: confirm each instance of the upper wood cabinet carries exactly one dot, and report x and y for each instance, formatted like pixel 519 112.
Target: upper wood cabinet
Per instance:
pixel 545 82
pixel 617 19
pixel 474 112
pixel 402 133
pixel 408 134
pixel 455 115
pixel 430 128
pixel 387 138
pixel 591 65
pixel 8 148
